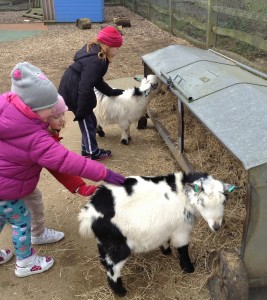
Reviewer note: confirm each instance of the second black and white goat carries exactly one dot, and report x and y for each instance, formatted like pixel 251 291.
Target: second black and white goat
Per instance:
pixel 127 108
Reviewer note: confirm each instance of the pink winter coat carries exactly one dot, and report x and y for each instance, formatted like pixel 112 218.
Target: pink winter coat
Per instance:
pixel 26 147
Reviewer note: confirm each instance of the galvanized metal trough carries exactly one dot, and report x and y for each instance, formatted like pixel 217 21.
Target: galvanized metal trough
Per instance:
pixel 230 99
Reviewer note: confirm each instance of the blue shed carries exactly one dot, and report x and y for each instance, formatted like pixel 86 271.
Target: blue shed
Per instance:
pixel 71 10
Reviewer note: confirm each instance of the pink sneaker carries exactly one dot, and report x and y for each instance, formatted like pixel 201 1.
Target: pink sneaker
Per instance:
pixel 5 256
pixel 33 264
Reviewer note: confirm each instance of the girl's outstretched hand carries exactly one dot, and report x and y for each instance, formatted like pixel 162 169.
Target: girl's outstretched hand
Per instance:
pixel 114 178
pixel 117 92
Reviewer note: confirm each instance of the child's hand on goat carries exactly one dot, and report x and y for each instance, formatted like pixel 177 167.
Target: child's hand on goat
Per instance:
pixel 86 190
pixel 117 92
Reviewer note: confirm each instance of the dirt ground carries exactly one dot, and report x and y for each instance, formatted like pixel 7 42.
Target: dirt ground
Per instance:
pixel 77 273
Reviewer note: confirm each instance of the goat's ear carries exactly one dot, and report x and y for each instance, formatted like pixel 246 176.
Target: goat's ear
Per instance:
pixel 138 78
pixel 228 188
pixel 197 187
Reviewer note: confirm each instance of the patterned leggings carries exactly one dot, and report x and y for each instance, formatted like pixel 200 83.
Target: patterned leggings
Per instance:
pixel 16 213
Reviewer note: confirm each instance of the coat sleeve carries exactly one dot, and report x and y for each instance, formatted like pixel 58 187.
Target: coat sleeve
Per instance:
pixel 90 76
pixel 46 152
pixel 72 183
pixel 104 88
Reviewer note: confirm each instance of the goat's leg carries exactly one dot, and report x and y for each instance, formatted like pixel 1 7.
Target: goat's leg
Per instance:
pixel 185 261
pixel 113 261
pixel 114 278
pixel 102 255
pixel 183 238
pixel 142 123
pixel 124 134
pixel 129 135
pixel 165 248
pixel 100 131
pixel 119 254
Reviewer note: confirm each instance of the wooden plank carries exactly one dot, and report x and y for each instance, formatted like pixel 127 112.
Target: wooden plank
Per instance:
pixel 240 13
pixel 36 13
pixel 251 39
pixel 160 9
pixel 160 24
pixel 199 3
pixel 192 21
pixel 192 40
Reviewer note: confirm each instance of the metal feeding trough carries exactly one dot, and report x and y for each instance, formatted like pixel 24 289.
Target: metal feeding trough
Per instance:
pixel 230 99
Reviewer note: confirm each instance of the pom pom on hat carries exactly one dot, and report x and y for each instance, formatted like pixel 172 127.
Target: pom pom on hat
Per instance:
pixel 32 86
pixel 110 36
pixel 60 107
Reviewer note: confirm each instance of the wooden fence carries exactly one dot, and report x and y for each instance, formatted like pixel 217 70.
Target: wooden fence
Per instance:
pixel 167 15
pixel 213 30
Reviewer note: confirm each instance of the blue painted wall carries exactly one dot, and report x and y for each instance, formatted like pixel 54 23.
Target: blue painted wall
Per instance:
pixel 71 10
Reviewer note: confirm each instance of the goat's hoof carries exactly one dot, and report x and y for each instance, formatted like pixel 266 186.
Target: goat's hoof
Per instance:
pixel 188 268
pixel 125 142
pixel 101 133
pixel 117 287
pixel 122 292
pixel 167 251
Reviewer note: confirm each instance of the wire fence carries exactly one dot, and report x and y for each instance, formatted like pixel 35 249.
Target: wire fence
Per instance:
pixel 235 26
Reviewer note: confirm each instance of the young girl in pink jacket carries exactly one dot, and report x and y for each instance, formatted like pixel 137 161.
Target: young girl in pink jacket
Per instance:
pixel 25 148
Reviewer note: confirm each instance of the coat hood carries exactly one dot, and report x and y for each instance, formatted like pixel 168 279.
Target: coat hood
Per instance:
pixel 83 52
pixel 17 119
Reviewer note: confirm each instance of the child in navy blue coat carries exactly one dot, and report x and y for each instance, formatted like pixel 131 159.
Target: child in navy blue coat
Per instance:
pixel 79 80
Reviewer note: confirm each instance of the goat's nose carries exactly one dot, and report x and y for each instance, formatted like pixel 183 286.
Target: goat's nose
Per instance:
pixel 216 226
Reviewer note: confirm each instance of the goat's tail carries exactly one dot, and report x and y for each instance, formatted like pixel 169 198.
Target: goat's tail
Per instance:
pixel 86 219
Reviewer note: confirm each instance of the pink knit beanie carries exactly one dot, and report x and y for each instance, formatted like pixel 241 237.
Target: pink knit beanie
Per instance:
pixel 60 107
pixel 110 36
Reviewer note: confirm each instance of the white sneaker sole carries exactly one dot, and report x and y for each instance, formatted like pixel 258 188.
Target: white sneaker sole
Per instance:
pixel 21 273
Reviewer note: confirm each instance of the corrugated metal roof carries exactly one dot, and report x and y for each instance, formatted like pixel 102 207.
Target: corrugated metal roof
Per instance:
pixel 229 100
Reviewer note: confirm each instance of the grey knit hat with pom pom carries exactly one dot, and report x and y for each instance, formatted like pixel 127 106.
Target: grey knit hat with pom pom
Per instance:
pixel 33 87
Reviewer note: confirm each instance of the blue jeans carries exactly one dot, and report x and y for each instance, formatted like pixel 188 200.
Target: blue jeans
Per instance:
pixel 16 213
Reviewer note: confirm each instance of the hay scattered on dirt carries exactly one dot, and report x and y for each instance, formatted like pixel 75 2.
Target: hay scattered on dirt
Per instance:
pixel 146 276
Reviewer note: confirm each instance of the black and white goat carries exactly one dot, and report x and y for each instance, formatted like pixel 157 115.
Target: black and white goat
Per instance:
pixel 127 108
pixel 150 212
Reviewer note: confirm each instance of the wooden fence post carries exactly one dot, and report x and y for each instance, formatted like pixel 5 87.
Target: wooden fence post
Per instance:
pixel 170 16
pixel 148 9
pixel 135 6
pixel 212 21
